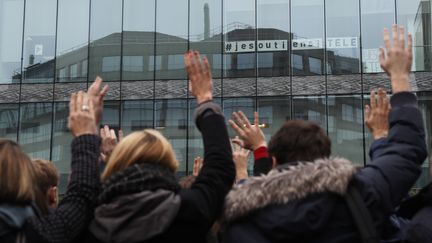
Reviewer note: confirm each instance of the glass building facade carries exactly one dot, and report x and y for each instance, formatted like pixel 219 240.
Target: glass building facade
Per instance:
pixel 287 59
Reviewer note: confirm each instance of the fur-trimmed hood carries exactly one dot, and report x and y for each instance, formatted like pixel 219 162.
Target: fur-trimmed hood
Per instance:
pixel 286 184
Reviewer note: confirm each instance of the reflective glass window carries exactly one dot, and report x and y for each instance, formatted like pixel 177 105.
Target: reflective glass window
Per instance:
pixel 171 37
pixel 416 16
pixel 9 121
pixel 39 41
pixel 376 15
pixel 273 37
pixel 205 31
pixel 239 38
pixel 11 25
pixel 138 39
pixel 72 40
pixel 35 129
pixel 105 39
pixel 137 115
pixel 273 113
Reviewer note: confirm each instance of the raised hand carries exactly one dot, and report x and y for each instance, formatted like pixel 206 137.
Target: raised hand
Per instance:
pixel 376 115
pixel 198 163
pixel 81 115
pixel 97 95
pixel 252 135
pixel 200 78
pixel 397 60
pixel 109 141
pixel 241 157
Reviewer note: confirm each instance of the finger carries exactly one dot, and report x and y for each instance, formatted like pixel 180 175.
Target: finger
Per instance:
pixel 410 44
pixel 380 98
pixel 196 63
pixel 91 108
pixel 372 99
pixel 236 128
pixel 72 103
pixel 102 133
pixel 95 86
pixel 395 36
pixel 121 135
pixel 187 62
pixel 113 135
pixel 386 39
pixel 386 104
pixel 85 99
pixel 107 131
pixel 104 91
pixel 402 36
pixel 237 119
pixel 367 112
pixel 256 119
pixel 382 56
pixel 79 100
pixel 207 69
pixel 244 119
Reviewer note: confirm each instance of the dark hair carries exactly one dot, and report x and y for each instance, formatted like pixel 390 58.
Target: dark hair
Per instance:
pixel 299 140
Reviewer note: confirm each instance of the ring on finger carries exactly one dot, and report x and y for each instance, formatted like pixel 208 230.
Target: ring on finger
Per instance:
pixel 85 108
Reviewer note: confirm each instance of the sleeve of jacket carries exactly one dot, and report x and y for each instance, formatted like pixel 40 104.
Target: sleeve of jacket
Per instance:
pixel 396 161
pixel 203 202
pixel 376 148
pixel 262 161
pixel 75 210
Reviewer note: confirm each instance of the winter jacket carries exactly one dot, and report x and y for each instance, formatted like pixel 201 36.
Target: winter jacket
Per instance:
pixel 74 212
pixel 304 203
pixel 150 206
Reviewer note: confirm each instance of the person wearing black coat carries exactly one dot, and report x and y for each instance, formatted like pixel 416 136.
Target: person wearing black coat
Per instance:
pixel 301 200
pixel 22 222
pixel 141 200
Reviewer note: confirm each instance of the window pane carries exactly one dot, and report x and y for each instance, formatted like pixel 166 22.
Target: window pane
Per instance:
pixel 246 105
pixel 273 113
pixel 111 115
pixel 11 25
pixel 376 15
pixel 105 39
pixel 207 37
pixel 345 127
pixel 39 41
pixel 343 47
pixel 307 27
pixel 310 108
pixel 416 16
pixel 239 38
pixel 425 105
pixel 72 41
pixel 62 138
pixel 137 115
pixel 171 120
pixel 35 129
pixel 171 38
pixel 9 121
pixel 138 39
pixel 273 37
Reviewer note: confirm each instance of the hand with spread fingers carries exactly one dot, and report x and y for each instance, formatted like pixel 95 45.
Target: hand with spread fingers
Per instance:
pixel 252 135
pixel 109 141
pixel 200 78
pixel 81 115
pixel 377 113
pixel 97 95
pixel 198 163
pixel 396 60
pixel 241 157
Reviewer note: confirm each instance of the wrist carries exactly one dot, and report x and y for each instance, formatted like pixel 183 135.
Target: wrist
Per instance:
pixel 241 175
pixel 400 83
pixel 379 134
pixel 258 145
pixel 204 98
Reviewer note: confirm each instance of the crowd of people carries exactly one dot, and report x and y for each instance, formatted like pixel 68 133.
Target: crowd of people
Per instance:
pixel 124 189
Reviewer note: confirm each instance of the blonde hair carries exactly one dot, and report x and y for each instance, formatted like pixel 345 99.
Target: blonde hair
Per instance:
pixel 147 146
pixel 16 174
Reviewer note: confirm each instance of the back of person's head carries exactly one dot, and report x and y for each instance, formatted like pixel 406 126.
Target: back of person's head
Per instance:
pixel 16 174
pixel 47 179
pixel 147 146
pixel 187 181
pixel 299 140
